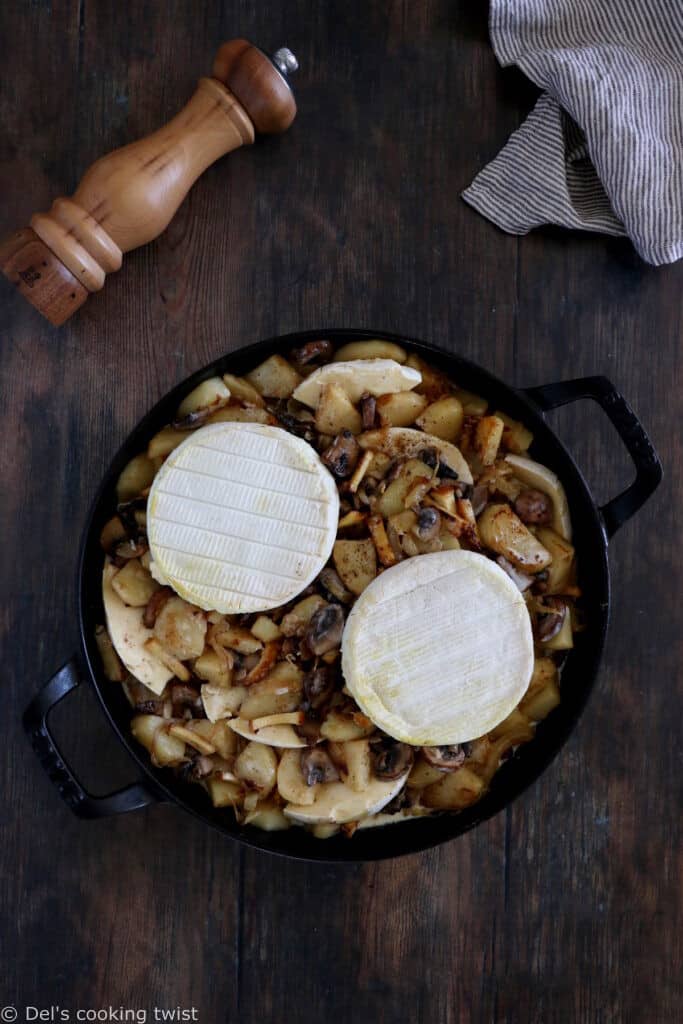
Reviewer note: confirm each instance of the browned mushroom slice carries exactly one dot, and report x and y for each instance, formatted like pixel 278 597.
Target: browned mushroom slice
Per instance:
pixel 317 766
pixel 368 411
pixel 390 758
pixel 319 685
pixel 321 349
pixel 447 758
pixel 550 621
pixel 342 455
pixel 331 583
pixel 325 629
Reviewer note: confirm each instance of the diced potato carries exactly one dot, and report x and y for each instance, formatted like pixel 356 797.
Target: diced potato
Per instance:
pixel 173 664
pixel 564 640
pixel 514 722
pixel 111 663
pixel 501 530
pixel 265 630
pixel 358 764
pixel 454 791
pixel 222 793
pixel 443 498
pixel 210 394
pixel 294 622
pixel 434 384
pixel 336 412
pixel 135 477
pixel 448 541
pixel 516 437
pixel 274 378
pixel 423 774
pixel 472 405
pixel 165 442
pixel 487 438
pixel 237 638
pixel 219 734
pixel 378 533
pixel 340 728
pixel 268 817
pixel 538 705
pixel 291 784
pixel 242 390
pixel 356 563
pixel 280 691
pixel 443 418
pixel 240 414
pixel 393 500
pixel 167 750
pixel 193 737
pixel 181 628
pixel 373 349
pixel 213 669
pixel 545 672
pixel 144 728
pixel 257 767
pixel 352 519
pixel 562 552
pixel 222 701
pixel 133 584
pixel 400 409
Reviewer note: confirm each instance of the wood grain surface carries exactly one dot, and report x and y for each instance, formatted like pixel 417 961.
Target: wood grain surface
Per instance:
pixel 564 909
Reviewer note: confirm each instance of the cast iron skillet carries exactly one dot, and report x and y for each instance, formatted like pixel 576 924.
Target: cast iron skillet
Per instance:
pixel 593 526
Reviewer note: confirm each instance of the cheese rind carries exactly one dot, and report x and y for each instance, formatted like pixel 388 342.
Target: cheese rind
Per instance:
pixel 356 378
pixel 439 648
pixel 241 517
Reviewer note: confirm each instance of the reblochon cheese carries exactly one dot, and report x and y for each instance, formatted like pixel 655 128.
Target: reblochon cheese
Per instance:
pixel 241 517
pixel 439 649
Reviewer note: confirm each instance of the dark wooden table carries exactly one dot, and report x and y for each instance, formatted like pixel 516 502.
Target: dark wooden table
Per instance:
pixel 565 908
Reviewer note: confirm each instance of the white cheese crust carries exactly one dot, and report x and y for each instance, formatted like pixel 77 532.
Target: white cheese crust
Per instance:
pixel 439 649
pixel 241 517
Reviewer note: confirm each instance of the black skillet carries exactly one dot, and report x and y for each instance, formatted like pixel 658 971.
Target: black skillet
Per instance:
pixel 593 527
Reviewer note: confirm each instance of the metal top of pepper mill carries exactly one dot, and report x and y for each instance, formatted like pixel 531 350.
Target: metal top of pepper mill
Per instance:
pixel 285 61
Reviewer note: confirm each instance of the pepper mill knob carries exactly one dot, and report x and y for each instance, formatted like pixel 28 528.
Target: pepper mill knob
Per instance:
pixel 128 197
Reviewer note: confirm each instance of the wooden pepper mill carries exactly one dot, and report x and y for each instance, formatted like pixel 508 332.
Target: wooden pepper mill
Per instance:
pixel 128 197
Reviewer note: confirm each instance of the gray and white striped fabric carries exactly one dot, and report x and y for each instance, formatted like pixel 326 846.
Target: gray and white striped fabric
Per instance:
pixel 603 148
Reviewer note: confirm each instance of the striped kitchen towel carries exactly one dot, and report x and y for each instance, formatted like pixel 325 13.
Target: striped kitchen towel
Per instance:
pixel 603 148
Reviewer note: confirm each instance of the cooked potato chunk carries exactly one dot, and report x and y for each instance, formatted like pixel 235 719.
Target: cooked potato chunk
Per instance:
pixel 224 793
pixel 564 640
pixel 356 563
pixel 358 764
pixel 443 418
pixel 400 409
pixel 516 437
pixel 562 552
pixel 165 442
pixel 135 477
pixel 291 784
pixel 181 628
pixel 336 412
pixel 281 690
pixel 111 663
pixel 373 349
pixel 505 533
pixel 340 728
pixel 423 774
pixel 213 669
pixel 487 438
pixel 454 791
pixel 275 378
pixel 210 394
pixel 268 817
pixel 167 750
pixel 257 767
pixel 472 405
pixel 133 584
pixel 237 638
pixel 242 390
pixel 265 630
pixel 221 701
pixel 240 414
pixel 434 384
pixel 378 533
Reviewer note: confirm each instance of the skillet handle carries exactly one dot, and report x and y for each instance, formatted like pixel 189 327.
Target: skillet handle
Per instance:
pixel 631 431
pixel 82 803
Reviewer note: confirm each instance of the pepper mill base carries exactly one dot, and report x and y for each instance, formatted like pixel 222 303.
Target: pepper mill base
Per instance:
pixel 40 277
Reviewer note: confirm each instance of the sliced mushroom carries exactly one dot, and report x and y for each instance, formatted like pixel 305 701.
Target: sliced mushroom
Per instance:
pixel 325 629
pixel 199 767
pixel 332 584
pixel 428 524
pixel 319 685
pixel 429 456
pixel 550 622
pixel 390 758
pixel 154 606
pixel 342 455
pixel 480 496
pixel 131 547
pixel 317 766
pixel 368 411
pixel 321 349
pixel 535 507
pixel 447 758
